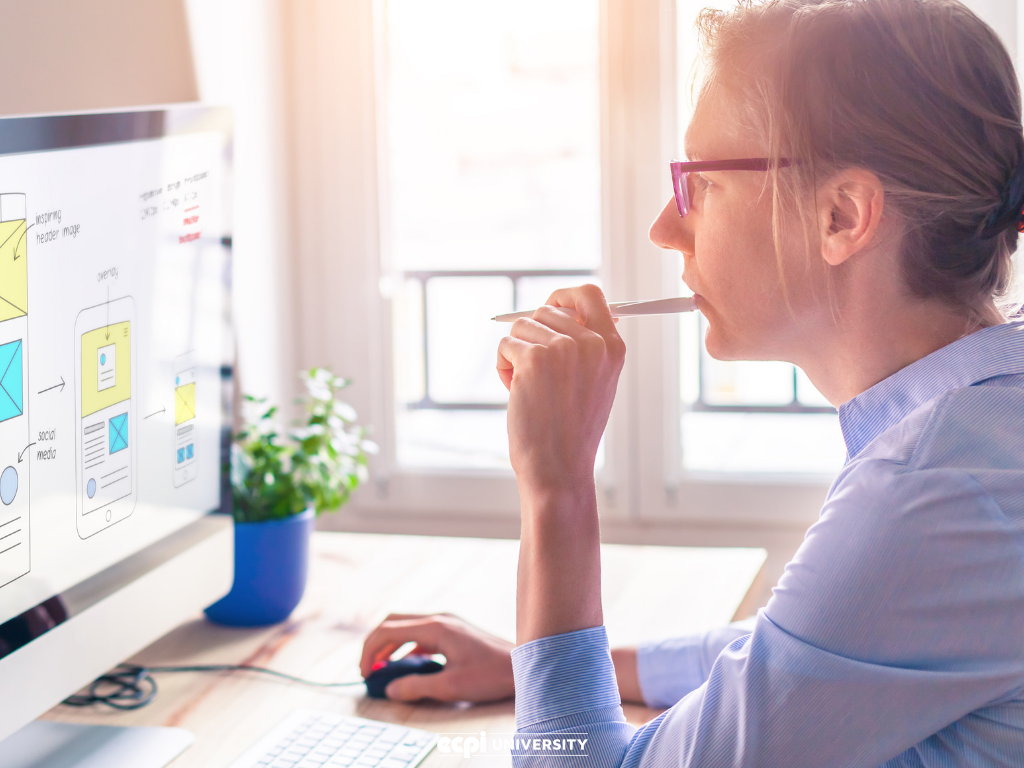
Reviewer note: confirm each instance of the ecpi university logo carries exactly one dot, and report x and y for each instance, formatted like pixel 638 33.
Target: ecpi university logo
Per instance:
pixel 537 745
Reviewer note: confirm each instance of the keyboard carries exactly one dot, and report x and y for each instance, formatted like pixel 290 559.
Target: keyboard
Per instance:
pixel 307 739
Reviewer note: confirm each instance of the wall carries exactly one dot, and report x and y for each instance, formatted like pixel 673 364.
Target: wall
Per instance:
pixel 67 55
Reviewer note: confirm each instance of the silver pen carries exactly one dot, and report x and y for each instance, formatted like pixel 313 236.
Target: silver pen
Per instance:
pixel 623 309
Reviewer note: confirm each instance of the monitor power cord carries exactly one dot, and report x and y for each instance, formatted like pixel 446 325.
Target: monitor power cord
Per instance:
pixel 129 686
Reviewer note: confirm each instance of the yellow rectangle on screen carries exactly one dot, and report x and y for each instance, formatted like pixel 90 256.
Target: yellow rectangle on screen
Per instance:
pixel 106 367
pixel 13 270
pixel 184 403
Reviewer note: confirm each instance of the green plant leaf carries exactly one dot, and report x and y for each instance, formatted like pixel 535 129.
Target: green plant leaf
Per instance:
pixel 317 464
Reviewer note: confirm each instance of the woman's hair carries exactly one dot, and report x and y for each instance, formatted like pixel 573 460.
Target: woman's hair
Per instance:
pixel 921 92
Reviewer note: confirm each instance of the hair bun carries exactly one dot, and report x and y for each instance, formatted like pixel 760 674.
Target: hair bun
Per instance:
pixel 1010 210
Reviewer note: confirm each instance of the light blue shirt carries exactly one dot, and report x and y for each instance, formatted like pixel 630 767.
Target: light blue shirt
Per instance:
pixel 895 636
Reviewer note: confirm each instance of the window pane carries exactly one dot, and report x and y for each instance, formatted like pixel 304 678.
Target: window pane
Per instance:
pixel 745 440
pixel 462 340
pixel 493 144
pixel 743 383
pixel 490 162
pixel 762 443
pixel 532 292
pixel 807 393
pixel 453 439
pixel 459 440
pixel 407 342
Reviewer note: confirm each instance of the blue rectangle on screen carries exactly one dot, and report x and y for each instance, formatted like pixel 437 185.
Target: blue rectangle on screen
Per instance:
pixel 118 433
pixel 12 399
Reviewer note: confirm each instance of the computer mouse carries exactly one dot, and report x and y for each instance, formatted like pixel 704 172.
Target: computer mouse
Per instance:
pixel 378 680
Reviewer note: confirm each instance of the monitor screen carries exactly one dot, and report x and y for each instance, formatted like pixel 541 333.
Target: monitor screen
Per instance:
pixel 114 285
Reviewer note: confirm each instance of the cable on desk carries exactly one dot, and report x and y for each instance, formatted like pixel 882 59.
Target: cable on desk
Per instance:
pixel 129 686
pixel 126 687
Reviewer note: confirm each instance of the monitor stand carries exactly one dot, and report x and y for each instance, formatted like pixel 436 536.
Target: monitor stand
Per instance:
pixel 73 745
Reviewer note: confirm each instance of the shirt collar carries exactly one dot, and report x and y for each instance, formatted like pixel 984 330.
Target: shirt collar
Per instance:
pixel 994 351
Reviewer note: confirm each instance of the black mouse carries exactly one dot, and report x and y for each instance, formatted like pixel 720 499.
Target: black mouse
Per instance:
pixel 378 680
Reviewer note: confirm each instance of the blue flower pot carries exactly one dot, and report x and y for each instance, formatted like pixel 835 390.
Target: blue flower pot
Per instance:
pixel 271 564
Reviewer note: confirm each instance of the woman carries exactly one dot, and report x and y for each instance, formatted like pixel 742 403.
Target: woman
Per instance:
pixel 869 242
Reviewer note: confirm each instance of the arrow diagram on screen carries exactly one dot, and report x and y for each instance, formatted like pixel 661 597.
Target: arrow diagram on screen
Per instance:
pixel 19 241
pixel 23 452
pixel 18 244
pixel 61 385
pixel 155 413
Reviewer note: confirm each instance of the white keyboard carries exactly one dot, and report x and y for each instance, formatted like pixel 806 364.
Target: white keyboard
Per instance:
pixel 307 739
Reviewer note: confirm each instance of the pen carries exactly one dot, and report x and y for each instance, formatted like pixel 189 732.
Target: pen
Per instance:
pixel 623 309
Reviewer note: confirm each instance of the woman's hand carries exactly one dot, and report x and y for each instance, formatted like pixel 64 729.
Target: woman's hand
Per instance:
pixel 561 373
pixel 478 667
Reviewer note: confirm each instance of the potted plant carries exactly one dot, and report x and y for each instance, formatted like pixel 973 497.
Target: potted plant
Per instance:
pixel 279 486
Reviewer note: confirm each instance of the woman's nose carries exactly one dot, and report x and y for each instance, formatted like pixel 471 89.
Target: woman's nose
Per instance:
pixel 672 231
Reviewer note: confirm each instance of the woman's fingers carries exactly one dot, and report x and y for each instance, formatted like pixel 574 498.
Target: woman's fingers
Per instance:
pixel 383 653
pixel 561 371
pixel 478 667
pixel 392 635
pixel 505 372
pixel 546 325
pixel 550 327
pixel 590 306
pixel 510 351
pixel 532 340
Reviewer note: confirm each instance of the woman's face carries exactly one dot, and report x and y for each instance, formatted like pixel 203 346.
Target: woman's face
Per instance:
pixel 726 240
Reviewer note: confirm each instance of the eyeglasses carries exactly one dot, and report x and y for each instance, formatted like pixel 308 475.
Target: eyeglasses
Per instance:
pixel 681 173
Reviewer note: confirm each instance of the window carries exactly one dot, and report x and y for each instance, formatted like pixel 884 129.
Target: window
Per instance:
pixel 469 157
pixel 514 149
pixel 491 172
pixel 540 166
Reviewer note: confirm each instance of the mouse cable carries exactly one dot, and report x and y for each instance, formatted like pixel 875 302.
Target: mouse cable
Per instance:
pixel 129 686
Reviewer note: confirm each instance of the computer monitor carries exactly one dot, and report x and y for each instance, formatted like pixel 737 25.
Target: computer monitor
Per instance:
pixel 115 349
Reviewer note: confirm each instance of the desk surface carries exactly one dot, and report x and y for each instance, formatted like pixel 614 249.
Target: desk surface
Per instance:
pixel 355 581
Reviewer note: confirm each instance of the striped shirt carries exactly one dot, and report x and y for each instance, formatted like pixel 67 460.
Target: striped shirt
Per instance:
pixel 895 637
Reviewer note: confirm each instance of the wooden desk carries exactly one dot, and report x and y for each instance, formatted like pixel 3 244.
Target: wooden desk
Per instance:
pixel 355 581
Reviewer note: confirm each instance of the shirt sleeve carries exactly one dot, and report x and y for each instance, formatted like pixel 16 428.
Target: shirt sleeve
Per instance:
pixel 901 613
pixel 566 689
pixel 670 669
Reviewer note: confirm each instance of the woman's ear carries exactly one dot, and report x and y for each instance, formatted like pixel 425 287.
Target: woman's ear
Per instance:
pixel 849 209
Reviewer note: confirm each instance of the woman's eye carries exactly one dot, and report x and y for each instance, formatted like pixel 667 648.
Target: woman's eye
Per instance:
pixel 700 182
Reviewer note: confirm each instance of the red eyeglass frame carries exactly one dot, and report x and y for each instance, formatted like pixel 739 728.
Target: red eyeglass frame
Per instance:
pixel 682 170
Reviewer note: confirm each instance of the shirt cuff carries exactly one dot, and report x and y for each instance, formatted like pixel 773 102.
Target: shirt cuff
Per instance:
pixel 563 675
